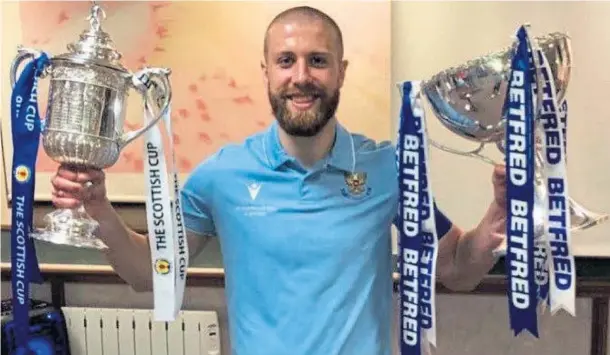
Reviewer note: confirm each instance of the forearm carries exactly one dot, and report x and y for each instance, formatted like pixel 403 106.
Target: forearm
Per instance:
pixel 449 271
pixel 465 257
pixel 128 252
pixel 469 269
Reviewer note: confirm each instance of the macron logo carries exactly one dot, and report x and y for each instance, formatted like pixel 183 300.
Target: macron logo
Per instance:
pixel 254 188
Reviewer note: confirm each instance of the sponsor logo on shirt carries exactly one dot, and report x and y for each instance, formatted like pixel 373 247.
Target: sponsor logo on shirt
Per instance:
pixel 253 189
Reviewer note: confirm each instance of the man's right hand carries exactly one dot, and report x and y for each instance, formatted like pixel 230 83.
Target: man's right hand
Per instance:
pixel 70 188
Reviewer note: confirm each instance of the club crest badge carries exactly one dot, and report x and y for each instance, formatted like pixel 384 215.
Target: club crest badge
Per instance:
pixel 356 185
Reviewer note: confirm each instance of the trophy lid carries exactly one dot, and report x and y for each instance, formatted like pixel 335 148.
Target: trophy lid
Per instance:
pixel 95 45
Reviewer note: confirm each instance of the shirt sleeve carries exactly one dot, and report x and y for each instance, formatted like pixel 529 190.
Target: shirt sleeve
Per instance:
pixel 443 223
pixel 197 196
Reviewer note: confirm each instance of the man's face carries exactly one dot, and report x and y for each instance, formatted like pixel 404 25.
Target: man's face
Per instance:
pixel 304 72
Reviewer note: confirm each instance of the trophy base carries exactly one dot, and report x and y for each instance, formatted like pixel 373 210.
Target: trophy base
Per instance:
pixel 588 220
pixel 580 219
pixel 73 227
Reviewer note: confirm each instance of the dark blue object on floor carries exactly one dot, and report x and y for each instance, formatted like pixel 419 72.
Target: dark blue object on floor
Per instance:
pixel 48 334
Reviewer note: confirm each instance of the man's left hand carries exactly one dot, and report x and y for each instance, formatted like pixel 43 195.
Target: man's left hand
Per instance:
pixel 490 233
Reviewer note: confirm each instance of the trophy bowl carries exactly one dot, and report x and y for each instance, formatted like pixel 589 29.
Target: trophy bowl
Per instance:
pixel 468 100
pixel 86 109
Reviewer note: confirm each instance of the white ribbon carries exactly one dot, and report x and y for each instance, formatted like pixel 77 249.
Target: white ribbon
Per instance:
pixel 166 231
pixel 562 271
pixel 428 224
pixel 181 243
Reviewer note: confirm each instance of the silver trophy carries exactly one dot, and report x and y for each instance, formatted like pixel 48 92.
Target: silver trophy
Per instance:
pixel 468 100
pixel 86 109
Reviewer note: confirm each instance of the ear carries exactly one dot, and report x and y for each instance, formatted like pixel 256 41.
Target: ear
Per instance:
pixel 342 70
pixel 265 73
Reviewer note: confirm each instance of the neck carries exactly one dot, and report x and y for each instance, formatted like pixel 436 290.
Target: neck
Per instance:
pixel 309 150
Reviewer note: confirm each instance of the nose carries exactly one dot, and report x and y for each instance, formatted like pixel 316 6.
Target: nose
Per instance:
pixel 303 72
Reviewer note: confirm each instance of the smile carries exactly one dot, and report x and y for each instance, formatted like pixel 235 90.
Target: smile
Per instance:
pixel 302 102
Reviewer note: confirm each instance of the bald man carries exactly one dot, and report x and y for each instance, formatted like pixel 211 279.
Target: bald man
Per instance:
pixel 303 212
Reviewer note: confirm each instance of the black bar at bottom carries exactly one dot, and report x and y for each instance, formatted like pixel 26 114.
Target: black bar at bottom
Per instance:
pixel 58 292
pixel 599 326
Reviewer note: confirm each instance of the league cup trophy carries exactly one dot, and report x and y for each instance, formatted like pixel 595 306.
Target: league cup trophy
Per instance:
pixel 515 99
pixel 469 99
pixel 86 109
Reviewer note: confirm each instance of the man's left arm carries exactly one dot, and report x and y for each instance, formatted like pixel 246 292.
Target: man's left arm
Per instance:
pixel 464 258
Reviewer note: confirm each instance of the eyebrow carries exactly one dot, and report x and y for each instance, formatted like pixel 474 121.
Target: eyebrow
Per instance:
pixel 320 53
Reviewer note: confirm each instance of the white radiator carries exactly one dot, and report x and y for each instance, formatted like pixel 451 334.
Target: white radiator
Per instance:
pixel 111 331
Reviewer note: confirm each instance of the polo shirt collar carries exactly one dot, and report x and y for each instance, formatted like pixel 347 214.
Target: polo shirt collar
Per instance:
pixel 342 156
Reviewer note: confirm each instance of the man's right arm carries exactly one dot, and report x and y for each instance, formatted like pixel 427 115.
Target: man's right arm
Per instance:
pixel 129 252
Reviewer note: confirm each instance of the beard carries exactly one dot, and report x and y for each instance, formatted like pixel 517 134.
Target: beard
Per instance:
pixel 307 123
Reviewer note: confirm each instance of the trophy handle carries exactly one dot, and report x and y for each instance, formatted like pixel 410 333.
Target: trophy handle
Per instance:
pixel 153 84
pixel 23 54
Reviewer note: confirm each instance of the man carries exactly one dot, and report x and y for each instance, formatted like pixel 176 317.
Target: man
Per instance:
pixel 305 240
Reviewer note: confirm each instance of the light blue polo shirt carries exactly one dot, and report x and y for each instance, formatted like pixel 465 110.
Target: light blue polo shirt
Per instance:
pixel 306 252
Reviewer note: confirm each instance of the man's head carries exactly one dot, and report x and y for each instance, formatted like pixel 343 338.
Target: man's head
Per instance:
pixel 303 69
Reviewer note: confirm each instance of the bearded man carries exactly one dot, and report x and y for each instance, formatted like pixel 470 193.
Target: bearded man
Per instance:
pixel 303 212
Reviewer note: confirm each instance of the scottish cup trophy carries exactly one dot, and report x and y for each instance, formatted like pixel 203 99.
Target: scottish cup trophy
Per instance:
pixel 86 109
pixel 468 100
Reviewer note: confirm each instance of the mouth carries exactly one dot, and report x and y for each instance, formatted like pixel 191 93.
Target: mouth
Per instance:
pixel 302 102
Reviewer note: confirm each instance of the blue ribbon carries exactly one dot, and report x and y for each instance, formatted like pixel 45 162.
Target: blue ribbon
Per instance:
pixel 26 127
pixel 522 288
pixel 409 155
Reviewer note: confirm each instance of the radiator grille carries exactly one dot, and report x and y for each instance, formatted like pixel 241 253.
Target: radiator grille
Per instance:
pixel 113 331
